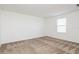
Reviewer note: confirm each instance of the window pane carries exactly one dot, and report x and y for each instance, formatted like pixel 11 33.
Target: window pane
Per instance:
pixel 61 21
pixel 61 25
pixel 61 29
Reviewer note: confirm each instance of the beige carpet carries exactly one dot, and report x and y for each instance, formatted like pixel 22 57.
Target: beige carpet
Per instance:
pixel 43 45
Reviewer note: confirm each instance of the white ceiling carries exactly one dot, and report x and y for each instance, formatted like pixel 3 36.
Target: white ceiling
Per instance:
pixel 40 10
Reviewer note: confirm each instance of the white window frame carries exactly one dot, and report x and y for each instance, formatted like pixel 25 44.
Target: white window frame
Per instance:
pixel 61 25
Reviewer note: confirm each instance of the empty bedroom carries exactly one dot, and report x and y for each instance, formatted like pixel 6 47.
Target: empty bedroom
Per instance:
pixel 39 28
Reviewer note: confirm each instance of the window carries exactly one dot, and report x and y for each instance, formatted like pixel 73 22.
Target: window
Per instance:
pixel 61 25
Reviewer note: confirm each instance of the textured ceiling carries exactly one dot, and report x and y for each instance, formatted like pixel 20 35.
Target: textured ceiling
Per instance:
pixel 40 10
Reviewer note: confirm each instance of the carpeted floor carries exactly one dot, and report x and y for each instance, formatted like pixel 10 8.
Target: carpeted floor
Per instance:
pixel 42 45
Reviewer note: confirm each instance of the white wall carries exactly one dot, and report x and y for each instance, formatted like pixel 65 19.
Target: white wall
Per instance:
pixel 72 33
pixel 17 26
pixel 0 27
